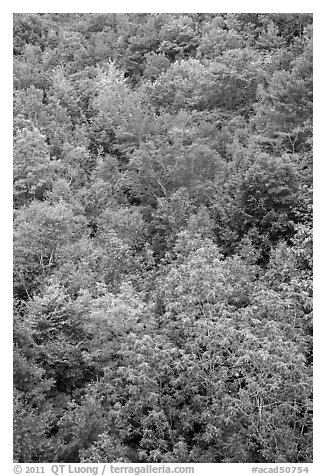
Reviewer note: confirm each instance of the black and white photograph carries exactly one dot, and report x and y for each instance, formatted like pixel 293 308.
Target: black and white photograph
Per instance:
pixel 162 239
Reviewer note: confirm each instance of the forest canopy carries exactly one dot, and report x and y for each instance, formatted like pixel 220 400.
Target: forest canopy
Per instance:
pixel 162 184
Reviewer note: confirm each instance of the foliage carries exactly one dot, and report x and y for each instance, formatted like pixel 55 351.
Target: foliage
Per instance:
pixel 33 170
pixel 162 238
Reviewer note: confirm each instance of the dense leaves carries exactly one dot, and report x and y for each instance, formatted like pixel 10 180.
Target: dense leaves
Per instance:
pixel 163 238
